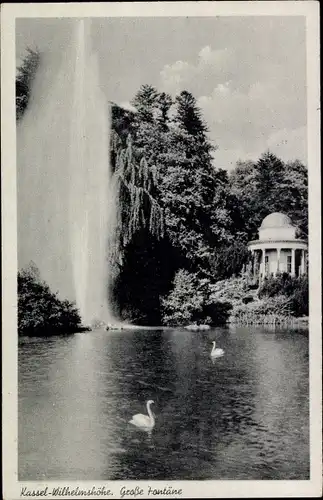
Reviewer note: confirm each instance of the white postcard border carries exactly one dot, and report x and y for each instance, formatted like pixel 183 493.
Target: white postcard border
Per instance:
pixel 190 489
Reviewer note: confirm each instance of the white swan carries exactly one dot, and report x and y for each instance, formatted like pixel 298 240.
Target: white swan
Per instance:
pixel 216 351
pixel 143 421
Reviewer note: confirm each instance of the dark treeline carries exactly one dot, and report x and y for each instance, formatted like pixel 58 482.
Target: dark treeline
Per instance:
pixel 183 223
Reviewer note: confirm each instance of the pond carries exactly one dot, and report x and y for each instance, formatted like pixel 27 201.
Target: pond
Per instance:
pixel 242 416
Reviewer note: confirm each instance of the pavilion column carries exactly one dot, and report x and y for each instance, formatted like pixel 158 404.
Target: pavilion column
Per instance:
pixel 293 262
pixel 263 265
pixel 253 263
pixel 303 262
pixel 256 265
pixel 278 260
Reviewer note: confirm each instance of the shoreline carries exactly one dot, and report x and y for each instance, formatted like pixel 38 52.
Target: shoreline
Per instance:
pixel 268 319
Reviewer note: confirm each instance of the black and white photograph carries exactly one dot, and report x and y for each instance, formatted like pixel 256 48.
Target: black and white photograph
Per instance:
pixel 163 302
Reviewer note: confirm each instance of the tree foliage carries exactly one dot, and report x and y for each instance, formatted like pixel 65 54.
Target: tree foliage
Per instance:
pixel 25 76
pixel 230 259
pixel 41 312
pixel 270 185
pixel 191 191
pixel 296 288
pixel 181 219
pixel 185 302
pixel 190 301
pixel 138 208
pixel 189 117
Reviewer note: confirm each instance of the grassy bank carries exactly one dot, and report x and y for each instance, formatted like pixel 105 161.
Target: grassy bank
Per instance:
pixel 279 301
pixel 269 319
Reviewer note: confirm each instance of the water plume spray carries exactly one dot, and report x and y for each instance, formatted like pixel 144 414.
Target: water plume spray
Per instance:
pixel 66 193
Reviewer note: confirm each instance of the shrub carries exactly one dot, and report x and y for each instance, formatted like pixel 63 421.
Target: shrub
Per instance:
pixel 275 285
pixel 296 289
pixel 230 290
pixel 41 312
pixel 279 305
pixel 184 303
pixel 190 301
pixel 299 298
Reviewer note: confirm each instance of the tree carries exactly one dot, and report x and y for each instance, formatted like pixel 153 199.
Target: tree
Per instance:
pixel 208 215
pixel 26 73
pixel 193 194
pixel 243 197
pixel 185 187
pixel 164 103
pixel 146 102
pixel 293 195
pixel 269 171
pixel 141 248
pixel 230 259
pixel 269 174
pixel 122 123
pixel 269 185
pixel 190 301
pixel 136 194
pixel 185 302
pixel 188 116
pixel 41 312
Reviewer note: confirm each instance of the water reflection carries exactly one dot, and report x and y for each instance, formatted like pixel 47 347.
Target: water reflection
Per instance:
pixel 244 415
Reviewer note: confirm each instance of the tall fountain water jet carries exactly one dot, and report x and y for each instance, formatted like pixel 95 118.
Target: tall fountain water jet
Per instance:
pixel 66 199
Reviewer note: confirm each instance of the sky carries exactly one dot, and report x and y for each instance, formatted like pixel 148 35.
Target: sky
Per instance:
pixel 248 74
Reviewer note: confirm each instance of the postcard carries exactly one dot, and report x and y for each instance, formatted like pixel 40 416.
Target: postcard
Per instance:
pixel 161 250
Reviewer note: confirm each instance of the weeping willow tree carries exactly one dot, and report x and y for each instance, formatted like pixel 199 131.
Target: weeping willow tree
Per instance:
pixel 136 185
pixel 139 254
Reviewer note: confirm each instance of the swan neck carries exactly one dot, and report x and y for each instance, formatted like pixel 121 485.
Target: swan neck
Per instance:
pixel 149 411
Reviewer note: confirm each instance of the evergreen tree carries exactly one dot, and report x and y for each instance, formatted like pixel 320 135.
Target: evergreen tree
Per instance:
pixel 269 173
pixel 189 116
pixel 146 102
pixel 185 302
pixel 164 103
pixel 269 170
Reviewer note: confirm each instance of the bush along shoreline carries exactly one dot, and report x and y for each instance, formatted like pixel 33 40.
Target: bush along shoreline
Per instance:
pixel 40 312
pixel 190 302
pixel 280 300
pixel 193 300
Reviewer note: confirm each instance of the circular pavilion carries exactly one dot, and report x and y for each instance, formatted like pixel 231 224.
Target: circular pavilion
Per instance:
pixel 278 250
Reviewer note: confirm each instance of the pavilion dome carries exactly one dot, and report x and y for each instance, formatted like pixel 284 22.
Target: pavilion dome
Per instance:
pixel 276 220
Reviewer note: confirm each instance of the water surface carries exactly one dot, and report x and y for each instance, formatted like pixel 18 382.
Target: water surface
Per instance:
pixel 242 416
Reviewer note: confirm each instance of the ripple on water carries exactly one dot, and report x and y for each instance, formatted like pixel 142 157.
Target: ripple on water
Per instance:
pixel 243 418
